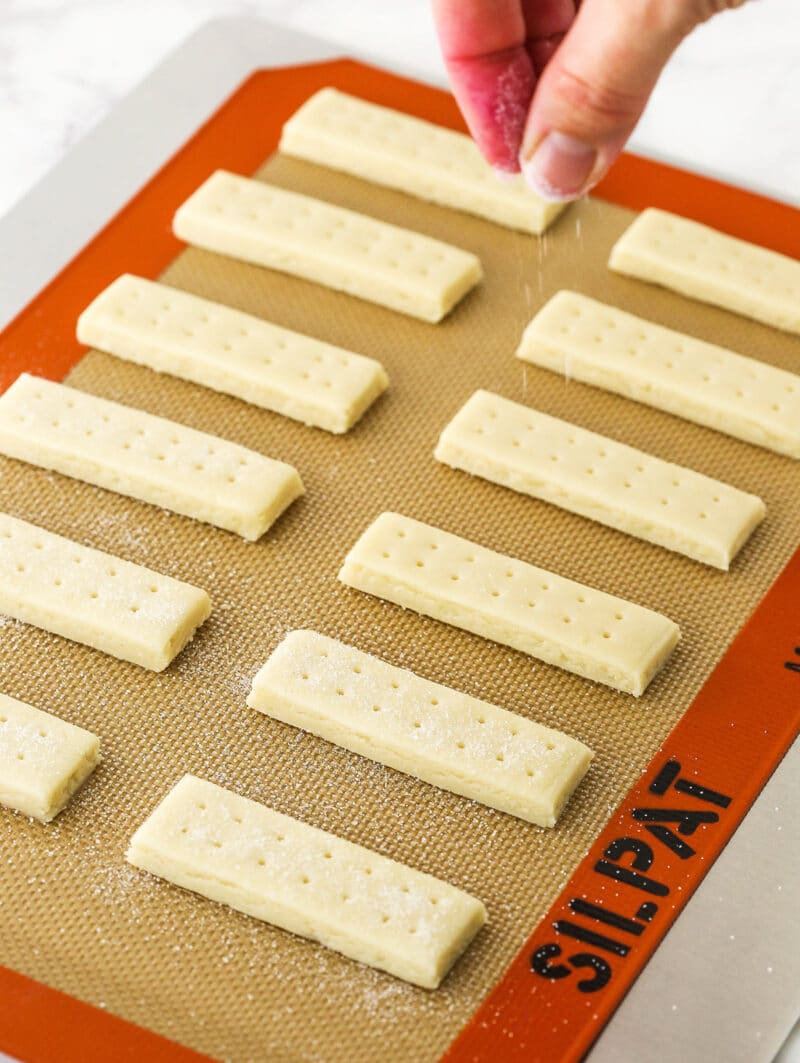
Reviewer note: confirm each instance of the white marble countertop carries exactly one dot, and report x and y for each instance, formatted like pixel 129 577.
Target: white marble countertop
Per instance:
pixel 727 105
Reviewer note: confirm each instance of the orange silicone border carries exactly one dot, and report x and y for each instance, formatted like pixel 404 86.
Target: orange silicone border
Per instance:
pixel 730 740
pixel 526 1017
pixel 39 1024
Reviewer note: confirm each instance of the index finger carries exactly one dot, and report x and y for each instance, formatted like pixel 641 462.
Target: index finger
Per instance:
pixel 490 48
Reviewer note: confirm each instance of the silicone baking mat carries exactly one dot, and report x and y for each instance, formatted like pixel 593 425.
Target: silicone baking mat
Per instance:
pixel 77 917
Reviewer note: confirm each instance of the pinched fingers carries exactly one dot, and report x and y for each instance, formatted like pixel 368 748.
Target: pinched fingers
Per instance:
pixel 493 50
pixel 560 93
pixel 594 89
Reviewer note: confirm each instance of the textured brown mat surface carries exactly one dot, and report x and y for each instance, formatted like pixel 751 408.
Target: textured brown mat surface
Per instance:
pixel 73 914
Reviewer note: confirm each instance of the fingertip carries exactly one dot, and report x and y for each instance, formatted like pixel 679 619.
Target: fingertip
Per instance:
pixel 494 94
pixel 506 176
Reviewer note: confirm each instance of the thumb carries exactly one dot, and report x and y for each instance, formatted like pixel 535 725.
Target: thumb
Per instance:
pixel 594 89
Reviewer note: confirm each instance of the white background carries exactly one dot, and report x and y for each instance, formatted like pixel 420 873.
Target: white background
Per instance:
pixel 728 104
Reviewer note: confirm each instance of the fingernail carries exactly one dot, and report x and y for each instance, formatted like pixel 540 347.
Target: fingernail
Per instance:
pixel 560 167
pixel 505 176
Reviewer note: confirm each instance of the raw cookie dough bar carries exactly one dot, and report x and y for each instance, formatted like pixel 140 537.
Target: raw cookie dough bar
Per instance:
pixel 372 909
pixel 598 344
pixel 422 728
pixel 95 598
pixel 599 478
pixel 234 353
pixel 43 760
pixel 586 631
pixel 411 155
pixel 309 238
pixel 144 457
pixel 708 265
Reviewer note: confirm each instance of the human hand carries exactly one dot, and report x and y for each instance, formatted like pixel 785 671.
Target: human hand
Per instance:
pixel 557 91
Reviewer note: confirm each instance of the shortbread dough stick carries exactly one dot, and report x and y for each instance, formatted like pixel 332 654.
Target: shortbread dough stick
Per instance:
pixel 43 759
pixel 711 266
pixel 555 619
pixel 422 728
pixel 210 344
pixel 95 598
pixel 599 478
pixel 598 344
pixel 317 241
pixel 144 457
pixel 372 909
pixel 414 156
